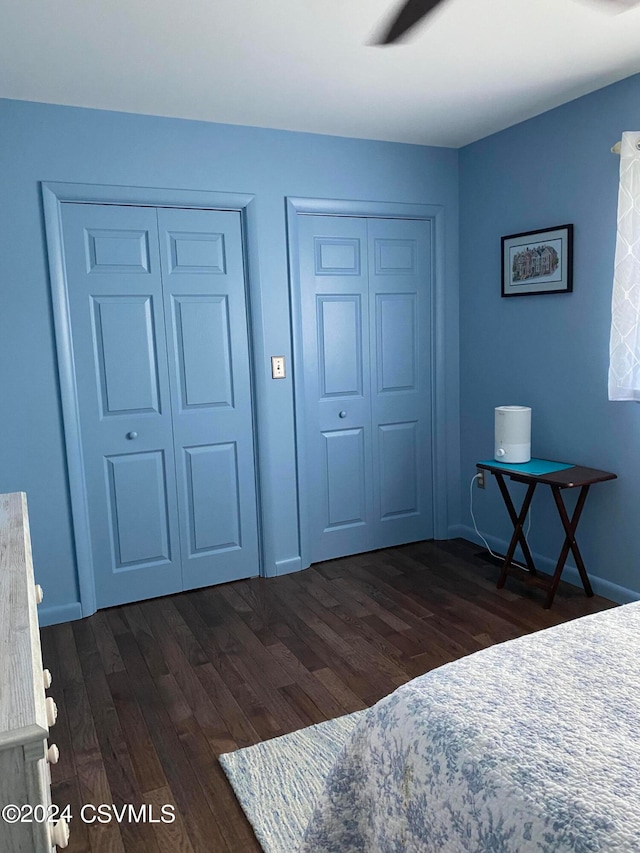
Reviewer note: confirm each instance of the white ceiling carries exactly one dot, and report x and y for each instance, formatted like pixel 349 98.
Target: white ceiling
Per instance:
pixel 476 67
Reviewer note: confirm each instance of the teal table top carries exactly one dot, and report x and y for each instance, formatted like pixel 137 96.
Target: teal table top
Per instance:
pixel 536 467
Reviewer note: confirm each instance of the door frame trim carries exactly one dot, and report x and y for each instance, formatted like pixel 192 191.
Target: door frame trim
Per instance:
pixel 54 194
pixel 434 214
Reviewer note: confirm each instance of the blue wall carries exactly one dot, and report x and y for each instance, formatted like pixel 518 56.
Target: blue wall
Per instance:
pixel 551 352
pixel 41 142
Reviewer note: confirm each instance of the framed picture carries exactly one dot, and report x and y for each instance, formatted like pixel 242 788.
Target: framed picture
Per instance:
pixel 538 262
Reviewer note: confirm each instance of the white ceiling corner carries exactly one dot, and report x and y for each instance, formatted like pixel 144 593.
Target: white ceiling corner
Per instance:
pixel 475 67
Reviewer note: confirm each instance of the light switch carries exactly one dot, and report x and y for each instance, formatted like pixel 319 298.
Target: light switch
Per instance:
pixel 277 367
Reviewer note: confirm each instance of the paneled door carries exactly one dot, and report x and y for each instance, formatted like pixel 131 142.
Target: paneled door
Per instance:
pixel 366 343
pixel 160 348
pixel 209 376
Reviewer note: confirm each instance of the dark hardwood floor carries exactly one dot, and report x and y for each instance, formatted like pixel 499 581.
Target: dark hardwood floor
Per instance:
pixel 150 693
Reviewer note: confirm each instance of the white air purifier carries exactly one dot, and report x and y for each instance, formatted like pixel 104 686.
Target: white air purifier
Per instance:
pixel 513 434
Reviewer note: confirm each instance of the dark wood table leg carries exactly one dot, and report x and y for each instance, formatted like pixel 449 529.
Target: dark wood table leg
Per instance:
pixel 570 544
pixel 517 520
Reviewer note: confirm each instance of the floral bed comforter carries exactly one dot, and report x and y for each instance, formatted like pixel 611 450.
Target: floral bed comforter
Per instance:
pixel 531 745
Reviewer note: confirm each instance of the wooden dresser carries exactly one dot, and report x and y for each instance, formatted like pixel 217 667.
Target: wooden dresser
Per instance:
pixel 26 713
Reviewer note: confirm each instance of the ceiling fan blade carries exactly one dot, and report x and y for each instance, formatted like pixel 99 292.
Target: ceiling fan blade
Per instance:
pixel 411 12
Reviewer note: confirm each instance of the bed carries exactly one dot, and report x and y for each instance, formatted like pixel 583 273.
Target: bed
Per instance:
pixel 530 745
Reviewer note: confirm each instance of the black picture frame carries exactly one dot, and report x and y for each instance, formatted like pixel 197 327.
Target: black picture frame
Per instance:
pixel 538 262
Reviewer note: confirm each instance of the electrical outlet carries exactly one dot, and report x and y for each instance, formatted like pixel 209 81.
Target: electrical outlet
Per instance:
pixel 277 367
pixel 480 480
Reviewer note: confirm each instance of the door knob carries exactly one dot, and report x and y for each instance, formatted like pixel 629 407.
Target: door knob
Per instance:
pixel 131 435
pixel 342 415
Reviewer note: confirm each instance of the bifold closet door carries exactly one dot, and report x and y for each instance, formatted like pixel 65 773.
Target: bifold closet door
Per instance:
pixel 114 288
pixel 209 374
pixel 365 314
pixel 160 346
pixel 400 335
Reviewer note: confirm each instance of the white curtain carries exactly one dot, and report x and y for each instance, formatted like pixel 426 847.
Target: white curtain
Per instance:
pixel 624 349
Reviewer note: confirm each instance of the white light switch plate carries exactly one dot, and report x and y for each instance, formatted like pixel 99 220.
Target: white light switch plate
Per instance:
pixel 277 367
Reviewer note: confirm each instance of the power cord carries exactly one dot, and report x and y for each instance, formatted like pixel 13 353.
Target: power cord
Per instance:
pixel 475 526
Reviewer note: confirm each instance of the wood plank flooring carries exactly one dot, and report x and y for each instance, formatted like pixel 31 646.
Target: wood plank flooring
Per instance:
pixel 150 693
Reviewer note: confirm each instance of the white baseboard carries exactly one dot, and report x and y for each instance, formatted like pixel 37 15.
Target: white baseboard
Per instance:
pixel 601 586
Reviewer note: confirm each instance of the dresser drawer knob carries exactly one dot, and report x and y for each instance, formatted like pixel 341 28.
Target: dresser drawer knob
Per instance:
pixel 60 834
pixel 53 754
pixel 46 678
pixel 39 594
pixel 52 711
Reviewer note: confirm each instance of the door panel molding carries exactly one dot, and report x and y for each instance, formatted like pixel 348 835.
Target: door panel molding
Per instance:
pixel 127 501
pixel 392 259
pixel 342 312
pixel 112 314
pixel 345 475
pixel 396 314
pixel 398 461
pixel 217 390
pixel 212 471
pixel 54 194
